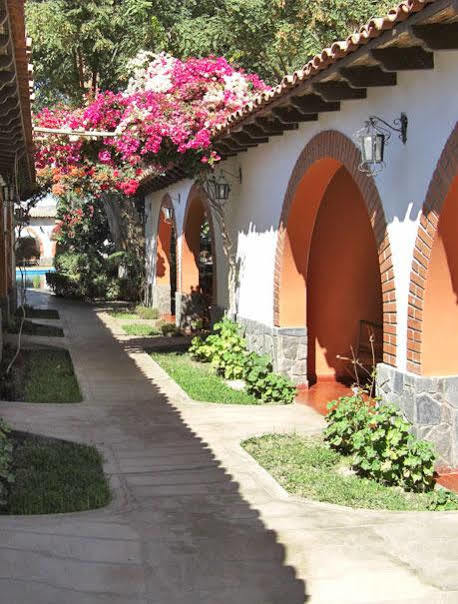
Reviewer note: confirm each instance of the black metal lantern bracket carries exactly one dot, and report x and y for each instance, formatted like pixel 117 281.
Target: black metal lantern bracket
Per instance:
pixel 219 190
pixel 372 139
pixel 399 125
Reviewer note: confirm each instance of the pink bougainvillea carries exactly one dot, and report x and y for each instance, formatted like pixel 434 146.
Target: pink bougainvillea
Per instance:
pixel 166 116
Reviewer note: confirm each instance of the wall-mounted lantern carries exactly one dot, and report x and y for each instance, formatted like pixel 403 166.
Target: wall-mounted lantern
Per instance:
pixel 167 213
pixel 217 187
pixel 372 139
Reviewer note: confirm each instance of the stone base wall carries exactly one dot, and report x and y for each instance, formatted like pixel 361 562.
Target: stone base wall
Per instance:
pixel 189 308
pixel 286 346
pixel 161 299
pixel 430 403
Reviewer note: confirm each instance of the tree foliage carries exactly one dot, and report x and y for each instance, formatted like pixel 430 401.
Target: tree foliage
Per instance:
pixel 80 46
pixel 83 44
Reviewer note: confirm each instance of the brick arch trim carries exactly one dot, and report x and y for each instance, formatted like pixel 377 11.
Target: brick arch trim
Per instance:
pixel 198 191
pixel 335 145
pixel 441 181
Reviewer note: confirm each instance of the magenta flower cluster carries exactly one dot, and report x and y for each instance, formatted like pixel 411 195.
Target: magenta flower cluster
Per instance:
pixel 166 117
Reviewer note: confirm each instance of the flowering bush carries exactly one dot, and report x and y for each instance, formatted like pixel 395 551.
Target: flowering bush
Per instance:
pixel 166 115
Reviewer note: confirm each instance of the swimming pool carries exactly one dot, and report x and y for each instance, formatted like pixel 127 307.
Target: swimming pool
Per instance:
pixel 34 272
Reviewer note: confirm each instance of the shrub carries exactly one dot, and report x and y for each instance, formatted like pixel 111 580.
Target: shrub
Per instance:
pixel 146 312
pixel 62 285
pixel 6 450
pixel 345 417
pixel 36 282
pixel 169 329
pixel 226 350
pixel 442 500
pixel 386 451
pixel 264 384
pixel 200 350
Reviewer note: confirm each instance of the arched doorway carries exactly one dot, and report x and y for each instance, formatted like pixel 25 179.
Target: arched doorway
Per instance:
pixel 440 315
pixel 343 284
pixel 166 266
pixel 332 252
pixel 198 276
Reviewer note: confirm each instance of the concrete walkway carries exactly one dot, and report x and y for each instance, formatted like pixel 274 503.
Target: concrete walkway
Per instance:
pixel 194 519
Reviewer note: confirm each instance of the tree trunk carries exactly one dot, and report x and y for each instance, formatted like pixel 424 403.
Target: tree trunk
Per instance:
pixel 127 232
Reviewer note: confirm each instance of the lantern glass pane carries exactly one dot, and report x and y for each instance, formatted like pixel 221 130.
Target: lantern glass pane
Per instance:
pixel 368 148
pixel 379 147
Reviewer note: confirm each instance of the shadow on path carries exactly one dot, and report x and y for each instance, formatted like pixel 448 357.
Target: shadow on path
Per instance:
pixel 178 531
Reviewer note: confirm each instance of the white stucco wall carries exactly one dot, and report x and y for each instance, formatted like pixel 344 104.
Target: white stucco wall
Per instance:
pixel 429 98
pixel 41 228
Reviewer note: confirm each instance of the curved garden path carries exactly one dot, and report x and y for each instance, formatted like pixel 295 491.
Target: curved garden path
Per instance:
pixel 194 519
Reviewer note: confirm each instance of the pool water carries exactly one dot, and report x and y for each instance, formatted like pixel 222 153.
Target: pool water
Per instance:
pixel 33 272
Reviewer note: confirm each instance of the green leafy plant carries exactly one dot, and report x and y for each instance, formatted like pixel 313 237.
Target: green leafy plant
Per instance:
pixel 36 282
pixel 442 500
pixel 169 329
pixel 347 415
pixel 6 458
pixel 200 350
pixel 386 451
pixel 226 349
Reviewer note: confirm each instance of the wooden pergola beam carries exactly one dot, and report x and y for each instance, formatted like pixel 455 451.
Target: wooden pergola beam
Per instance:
pixel 365 77
pixel 437 36
pixel 405 58
pixel 292 115
pixel 339 91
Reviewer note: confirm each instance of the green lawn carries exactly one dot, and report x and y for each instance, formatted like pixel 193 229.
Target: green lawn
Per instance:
pixel 140 329
pixel 133 314
pixel 199 381
pixel 124 315
pixel 307 467
pixel 41 376
pixel 54 477
pixel 35 329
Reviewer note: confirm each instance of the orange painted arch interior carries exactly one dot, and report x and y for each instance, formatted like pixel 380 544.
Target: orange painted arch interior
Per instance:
pixel 330 278
pixel 440 314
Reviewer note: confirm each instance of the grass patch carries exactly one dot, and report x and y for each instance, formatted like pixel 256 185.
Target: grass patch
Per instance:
pixel 307 467
pixel 40 376
pixel 199 381
pixel 39 313
pixel 134 314
pixel 139 329
pixel 35 329
pixel 124 315
pixel 55 477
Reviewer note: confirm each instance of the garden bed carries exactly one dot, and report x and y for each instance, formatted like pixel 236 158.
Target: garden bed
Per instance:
pixel 309 468
pixel 54 477
pixel 135 313
pixel 40 376
pixel 140 329
pixel 39 313
pixel 35 329
pixel 199 380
